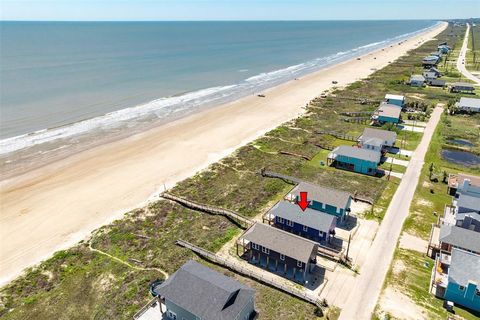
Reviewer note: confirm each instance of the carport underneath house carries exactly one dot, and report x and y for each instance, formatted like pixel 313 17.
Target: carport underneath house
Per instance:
pixel 278 251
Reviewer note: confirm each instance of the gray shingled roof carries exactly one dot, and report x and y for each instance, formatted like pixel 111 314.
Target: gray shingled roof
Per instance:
pixel 464 267
pixel 461 216
pixel 384 135
pixel 334 197
pixel 389 110
pixel 469 102
pixel 311 218
pixel 205 293
pixel 437 82
pixel 283 242
pixel 463 84
pixel 417 77
pixel 354 152
pixel 460 237
pixel 468 201
pixel 374 142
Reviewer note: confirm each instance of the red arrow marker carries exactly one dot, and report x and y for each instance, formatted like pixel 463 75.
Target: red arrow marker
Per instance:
pixel 303 202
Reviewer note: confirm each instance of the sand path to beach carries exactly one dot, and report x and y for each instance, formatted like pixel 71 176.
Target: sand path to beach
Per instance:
pixel 54 207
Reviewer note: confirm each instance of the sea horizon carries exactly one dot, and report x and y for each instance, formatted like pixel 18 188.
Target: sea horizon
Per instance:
pixel 190 90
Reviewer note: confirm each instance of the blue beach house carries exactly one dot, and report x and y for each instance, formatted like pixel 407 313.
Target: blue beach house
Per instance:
pixel 355 159
pixel 463 287
pixel 278 251
pixel 395 99
pixel 331 201
pixel 311 224
pixel 387 113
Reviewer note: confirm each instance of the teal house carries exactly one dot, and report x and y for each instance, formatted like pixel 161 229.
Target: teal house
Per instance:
pixel 463 287
pixel 395 99
pixel 331 201
pixel 387 113
pixel 196 292
pixel 355 159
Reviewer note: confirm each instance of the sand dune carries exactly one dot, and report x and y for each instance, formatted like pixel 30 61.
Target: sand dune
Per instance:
pixel 57 205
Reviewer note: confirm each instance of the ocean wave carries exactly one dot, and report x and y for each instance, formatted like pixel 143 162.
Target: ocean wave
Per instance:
pixel 168 106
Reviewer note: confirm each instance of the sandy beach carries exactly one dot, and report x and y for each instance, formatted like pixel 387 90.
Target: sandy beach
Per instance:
pixel 54 207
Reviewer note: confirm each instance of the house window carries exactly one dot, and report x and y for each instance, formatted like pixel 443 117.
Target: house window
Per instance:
pixel 280 220
pixel 320 233
pixel 299 264
pixel 282 257
pixel 255 246
pixel 172 315
pixel 265 250
pixel 290 223
pixel 305 228
pixel 461 288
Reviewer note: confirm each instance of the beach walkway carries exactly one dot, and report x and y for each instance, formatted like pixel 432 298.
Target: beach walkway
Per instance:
pixel 363 296
pixel 461 59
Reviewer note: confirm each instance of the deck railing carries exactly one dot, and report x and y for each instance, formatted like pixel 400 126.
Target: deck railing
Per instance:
pixel 208 209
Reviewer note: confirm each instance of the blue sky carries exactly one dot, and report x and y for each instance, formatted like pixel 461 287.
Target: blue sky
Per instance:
pixel 236 10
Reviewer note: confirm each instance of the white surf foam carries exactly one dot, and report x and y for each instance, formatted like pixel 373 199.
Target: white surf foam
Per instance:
pixel 168 106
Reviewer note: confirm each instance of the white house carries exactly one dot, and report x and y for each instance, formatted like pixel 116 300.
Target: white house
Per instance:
pixel 469 104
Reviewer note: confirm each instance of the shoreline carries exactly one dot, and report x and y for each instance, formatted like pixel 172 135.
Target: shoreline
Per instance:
pixel 34 156
pixel 61 203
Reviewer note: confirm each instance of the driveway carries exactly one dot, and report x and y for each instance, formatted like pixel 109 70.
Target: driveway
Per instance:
pixel 405 127
pixel 363 295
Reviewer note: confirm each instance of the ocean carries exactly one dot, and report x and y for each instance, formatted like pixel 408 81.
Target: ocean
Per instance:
pixel 71 85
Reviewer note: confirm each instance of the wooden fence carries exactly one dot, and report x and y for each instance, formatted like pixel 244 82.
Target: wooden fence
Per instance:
pixel 351 114
pixel 359 100
pixel 361 120
pixel 243 221
pixel 237 267
pixel 271 174
pixel 338 135
pixel 288 153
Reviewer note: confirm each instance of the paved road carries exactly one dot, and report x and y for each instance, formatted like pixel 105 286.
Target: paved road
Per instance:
pixel 363 297
pixel 461 59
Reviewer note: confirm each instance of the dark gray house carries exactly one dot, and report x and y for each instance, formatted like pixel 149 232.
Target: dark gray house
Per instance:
pixel 311 224
pixel 279 251
pixel 457 237
pixel 196 292
pixel 462 87
pixel 436 83
pixel 468 220
pixel 326 200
